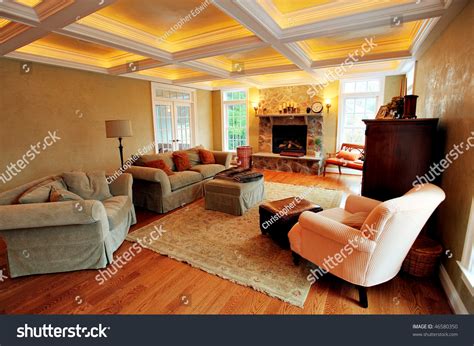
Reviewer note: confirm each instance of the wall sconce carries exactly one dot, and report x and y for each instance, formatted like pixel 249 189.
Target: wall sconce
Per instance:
pixel 328 104
pixel 255 107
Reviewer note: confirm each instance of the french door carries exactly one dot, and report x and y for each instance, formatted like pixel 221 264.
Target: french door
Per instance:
pixel 172 124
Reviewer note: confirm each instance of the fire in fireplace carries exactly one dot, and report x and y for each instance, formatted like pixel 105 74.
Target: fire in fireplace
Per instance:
pixel 289 139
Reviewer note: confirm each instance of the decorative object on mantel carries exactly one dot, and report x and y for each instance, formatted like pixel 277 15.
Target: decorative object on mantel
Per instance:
pixel 288 108
pixel 409 109
pixel 308 110
pixel 328 104
pixel 317 107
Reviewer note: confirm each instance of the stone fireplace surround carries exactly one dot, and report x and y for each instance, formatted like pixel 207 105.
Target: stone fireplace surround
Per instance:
pixel 266 159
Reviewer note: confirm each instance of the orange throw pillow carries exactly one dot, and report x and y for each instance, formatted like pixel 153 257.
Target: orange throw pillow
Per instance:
pixel 347 155
pixel 206 156
pixel 160 164
pixel 181 160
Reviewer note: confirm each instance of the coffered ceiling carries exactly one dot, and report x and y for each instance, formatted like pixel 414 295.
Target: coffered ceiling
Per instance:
pixel 214 44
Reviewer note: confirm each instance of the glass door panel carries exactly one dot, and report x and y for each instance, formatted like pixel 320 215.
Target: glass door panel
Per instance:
pixel 164 138
pixel 183 127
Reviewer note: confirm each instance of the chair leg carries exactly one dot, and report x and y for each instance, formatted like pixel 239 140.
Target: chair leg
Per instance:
pixel 324 171
pixel 339 168
pixel 296 258
pixel 363 301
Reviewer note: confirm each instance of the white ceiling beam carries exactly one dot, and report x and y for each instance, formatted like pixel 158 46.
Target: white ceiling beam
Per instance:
pixel 249 14
pixel 49 16
pixel 383 17
pixel 139 65
pixel 221 48
pixel 266 70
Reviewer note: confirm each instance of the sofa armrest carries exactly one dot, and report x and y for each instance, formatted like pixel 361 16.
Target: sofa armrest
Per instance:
pixel 356 204
pixel 223 158
pixel 35 215
pixel 154 175
pixel 337 232
pixel 121 185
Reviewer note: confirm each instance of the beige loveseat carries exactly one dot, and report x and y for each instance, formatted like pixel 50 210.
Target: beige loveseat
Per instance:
pixel 154 190
pixel 64 236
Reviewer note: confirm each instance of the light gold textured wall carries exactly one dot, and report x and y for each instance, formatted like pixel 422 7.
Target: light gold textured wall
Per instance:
pixel 444 84
pixel 217 120
pixel 75 104
pixel 204 124
pixel 392 87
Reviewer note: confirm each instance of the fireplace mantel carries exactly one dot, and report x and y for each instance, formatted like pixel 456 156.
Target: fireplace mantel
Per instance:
pixel 290 115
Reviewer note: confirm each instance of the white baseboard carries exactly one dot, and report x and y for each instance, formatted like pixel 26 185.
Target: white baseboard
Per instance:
pixel 453 297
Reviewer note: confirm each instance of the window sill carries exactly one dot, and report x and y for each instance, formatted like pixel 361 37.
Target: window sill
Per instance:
pixel 467 277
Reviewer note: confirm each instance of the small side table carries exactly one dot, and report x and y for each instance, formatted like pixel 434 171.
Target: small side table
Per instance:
pixel 278 217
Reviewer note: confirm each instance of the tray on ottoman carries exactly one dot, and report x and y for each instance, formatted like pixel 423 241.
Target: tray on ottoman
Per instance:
pixel 278 217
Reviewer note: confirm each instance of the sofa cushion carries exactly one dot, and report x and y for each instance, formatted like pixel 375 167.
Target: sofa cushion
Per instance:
pixel 160 164
pixel 208 171
pixel 348 155
pixel 193 156
pixel 91 185
pixel 166 157
pixel 183 179
pixel 181 160
pixel 40 193
pixel 62 195
pixel 117 209
pixel 207 157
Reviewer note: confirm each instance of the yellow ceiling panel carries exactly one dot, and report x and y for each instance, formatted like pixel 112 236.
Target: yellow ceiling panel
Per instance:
pixel 285 6
pixel 4 22
pixel 67 48
pixel 386 39
pixel 29 3
pixel 171 20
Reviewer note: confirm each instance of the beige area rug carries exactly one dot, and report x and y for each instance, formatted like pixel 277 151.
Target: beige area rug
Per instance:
pixel 233 248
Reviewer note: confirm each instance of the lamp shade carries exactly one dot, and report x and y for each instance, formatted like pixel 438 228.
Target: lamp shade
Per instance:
pixel 118 128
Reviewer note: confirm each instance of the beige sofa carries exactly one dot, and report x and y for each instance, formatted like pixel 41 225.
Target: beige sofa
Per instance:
pixel 158 192
pixel 65 236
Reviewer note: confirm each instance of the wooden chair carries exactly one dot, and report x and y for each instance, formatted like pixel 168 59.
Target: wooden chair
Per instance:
pixel 340 162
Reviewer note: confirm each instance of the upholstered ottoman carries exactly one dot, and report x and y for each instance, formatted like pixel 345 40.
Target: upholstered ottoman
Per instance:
pixel 278 217
pixel 231 197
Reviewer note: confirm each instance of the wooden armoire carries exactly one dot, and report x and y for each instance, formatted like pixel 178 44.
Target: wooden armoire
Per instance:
pixel 396 152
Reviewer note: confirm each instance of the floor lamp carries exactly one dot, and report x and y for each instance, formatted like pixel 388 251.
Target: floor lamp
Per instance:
pixel 118 129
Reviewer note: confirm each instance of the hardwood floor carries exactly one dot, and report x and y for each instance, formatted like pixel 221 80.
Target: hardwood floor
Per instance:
pixel 155 284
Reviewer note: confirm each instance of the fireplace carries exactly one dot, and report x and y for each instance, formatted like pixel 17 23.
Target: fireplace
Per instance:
pixel 289 139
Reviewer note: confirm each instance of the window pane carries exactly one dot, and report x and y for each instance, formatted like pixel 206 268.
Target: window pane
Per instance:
pixel 360 105
pixel 349 87
pixel 349 106
pixel 370 105
pixel 361 87
pixel 373 86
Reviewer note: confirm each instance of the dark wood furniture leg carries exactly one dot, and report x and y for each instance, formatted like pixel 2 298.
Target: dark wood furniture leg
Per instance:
pixel 339 168
pixel 363 296
pixel 296 258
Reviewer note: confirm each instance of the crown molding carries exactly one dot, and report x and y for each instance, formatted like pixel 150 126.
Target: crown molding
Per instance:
pixel 139 65
pixel 375 57
pixel 19 13
pixel 266 70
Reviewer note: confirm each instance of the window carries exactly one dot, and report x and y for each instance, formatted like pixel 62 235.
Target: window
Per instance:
pixel 411 80
pixel 467 262
pixel 360 99
pixel 173 110
pixel 235 123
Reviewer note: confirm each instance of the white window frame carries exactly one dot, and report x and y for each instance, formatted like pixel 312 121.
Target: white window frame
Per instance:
pixel 224 115
pixel 466 263
pixel 342 100
pixel 410 76
pixel 163 100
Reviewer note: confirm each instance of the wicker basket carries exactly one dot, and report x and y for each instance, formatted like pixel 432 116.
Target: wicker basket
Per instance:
pixel 422 258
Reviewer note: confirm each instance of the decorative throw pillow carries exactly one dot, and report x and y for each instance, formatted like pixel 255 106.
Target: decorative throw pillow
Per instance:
pixel 193 155
pixel 40 193
pixel 207 157
pixel 181 160
pixel 347 155
pixel 62 195
pixel 161 165
pixel 355 220
pixel 91 185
